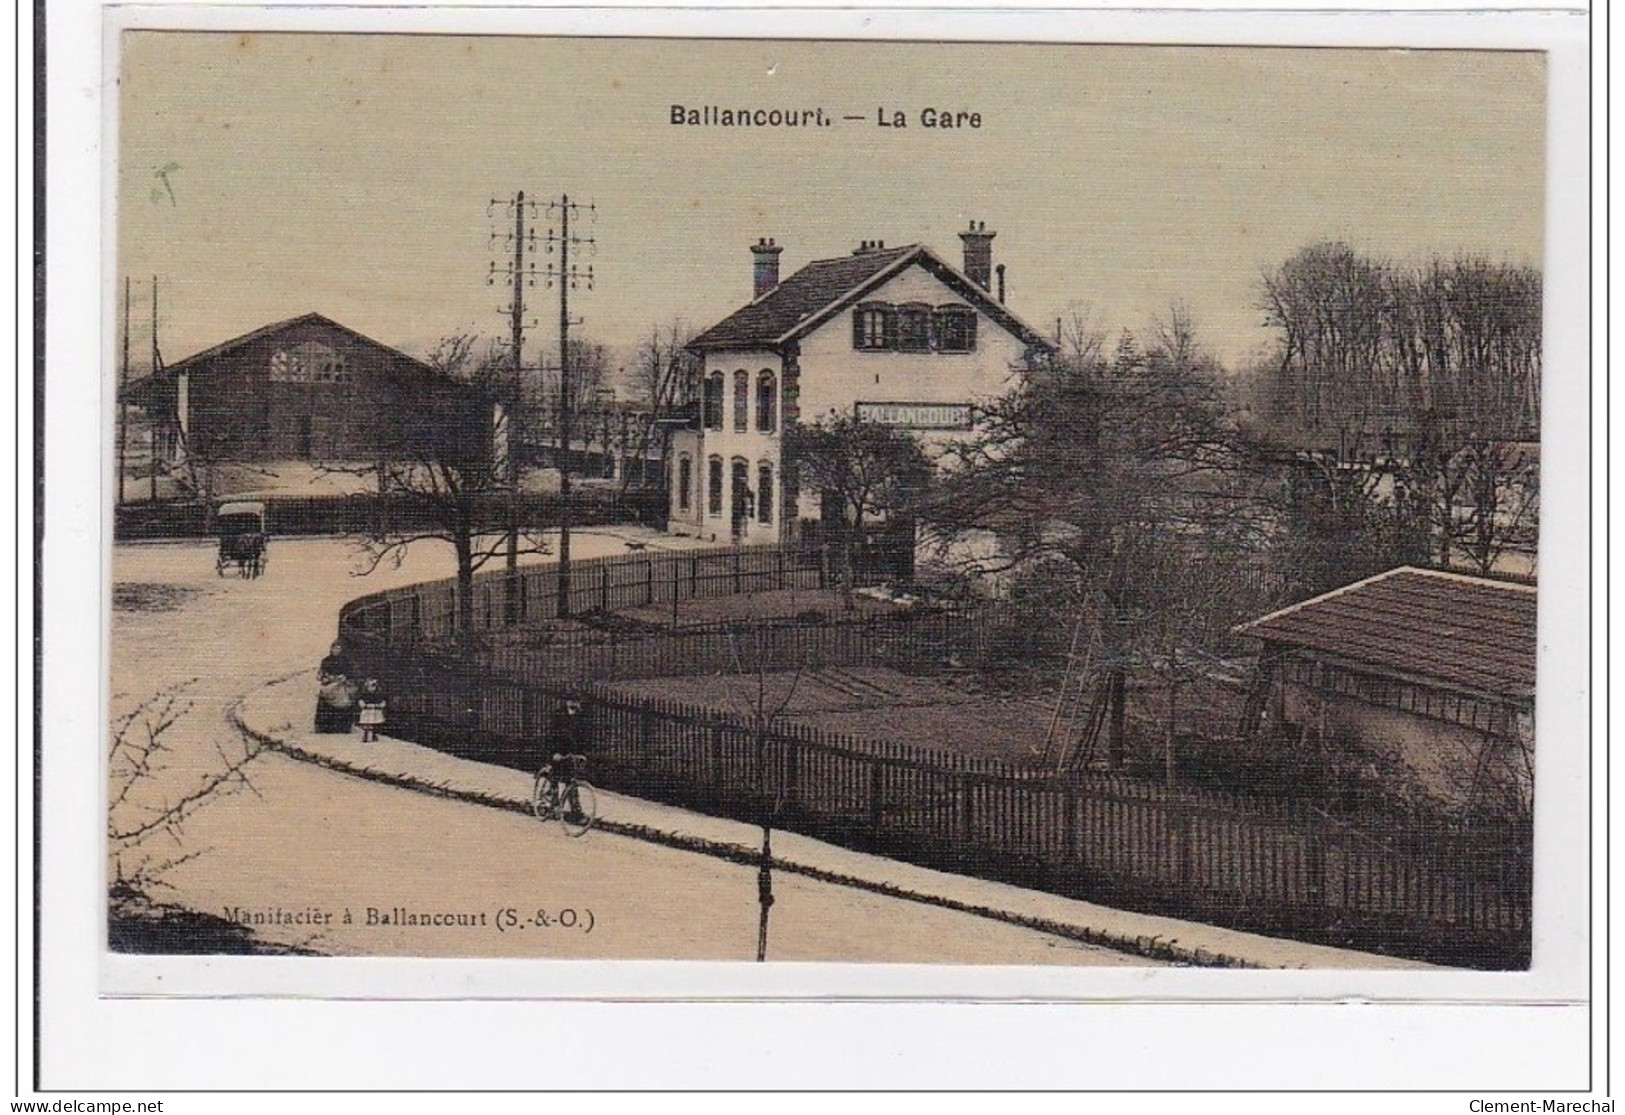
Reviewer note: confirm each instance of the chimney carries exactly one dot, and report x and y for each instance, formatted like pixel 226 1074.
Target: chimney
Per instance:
pixel 1000 270
pixel 979 254
pixel 766 255
pixel 867 246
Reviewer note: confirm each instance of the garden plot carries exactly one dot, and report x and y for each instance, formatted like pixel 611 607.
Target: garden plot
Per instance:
pixel 754 607
pixel 870 703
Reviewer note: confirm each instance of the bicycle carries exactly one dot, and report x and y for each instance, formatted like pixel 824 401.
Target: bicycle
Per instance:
pixel 576 795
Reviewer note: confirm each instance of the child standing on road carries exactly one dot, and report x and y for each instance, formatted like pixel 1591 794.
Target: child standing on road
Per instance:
pixel 372 710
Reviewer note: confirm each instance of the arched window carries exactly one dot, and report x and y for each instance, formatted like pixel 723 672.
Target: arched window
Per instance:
pixel 741 401
pixel 712 404
pixel 764 492
pixel 685 482
pixel 767 400
pixel 713 483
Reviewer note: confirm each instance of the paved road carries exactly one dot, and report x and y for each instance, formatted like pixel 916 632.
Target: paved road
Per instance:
pixel 317 845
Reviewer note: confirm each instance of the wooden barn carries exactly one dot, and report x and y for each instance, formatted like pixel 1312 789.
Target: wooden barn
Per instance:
pixel 307 391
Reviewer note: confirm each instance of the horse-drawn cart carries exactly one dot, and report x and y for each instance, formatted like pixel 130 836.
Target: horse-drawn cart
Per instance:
pixel 241 526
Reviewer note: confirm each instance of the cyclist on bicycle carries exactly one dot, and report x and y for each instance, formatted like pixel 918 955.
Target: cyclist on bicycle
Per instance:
pixel 568 738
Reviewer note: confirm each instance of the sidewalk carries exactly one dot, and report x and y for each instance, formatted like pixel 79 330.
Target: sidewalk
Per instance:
pixel 280 716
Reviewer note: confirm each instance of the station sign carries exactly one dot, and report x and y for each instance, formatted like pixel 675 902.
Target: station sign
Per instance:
pixel 919 416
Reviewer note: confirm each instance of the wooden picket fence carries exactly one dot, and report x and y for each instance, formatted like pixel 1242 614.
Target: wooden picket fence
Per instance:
pixel 1413 885
pixel 506 601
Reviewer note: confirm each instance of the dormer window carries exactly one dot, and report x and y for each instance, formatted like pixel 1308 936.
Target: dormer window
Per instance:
pixel 955 329
pixel 914 328
pixel 873 327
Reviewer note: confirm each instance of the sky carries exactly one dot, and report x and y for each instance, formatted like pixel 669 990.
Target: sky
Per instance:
pixel 267 175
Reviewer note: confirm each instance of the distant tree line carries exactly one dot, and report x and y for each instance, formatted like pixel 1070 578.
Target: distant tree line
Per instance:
pixel 1365 347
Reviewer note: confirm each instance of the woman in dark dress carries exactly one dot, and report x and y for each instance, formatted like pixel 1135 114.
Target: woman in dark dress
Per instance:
pixel 335 700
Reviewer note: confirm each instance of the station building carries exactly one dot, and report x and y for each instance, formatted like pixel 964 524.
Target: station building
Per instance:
pixel 892 335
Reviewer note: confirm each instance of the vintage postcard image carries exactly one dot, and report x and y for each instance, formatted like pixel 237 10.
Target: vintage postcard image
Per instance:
pixel 894 502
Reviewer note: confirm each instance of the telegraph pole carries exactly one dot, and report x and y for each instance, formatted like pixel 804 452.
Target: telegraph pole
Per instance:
pixel 567 275
pixel 123 386
pixel 517 278
pixel 517 326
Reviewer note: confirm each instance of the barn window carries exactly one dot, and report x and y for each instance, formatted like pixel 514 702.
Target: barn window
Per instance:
pixel 328 365
pixel 311 362
pixel 741 401
pixel 713 481
pixel 285 367
pixel 767 400
pixel 685 482
pixel 764 492
pixel 713 401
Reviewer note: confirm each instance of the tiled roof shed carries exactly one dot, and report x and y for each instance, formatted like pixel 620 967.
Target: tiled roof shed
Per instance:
pixel 1445 630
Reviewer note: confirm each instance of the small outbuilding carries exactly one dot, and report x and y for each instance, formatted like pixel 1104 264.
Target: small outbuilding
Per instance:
pixel 1424 671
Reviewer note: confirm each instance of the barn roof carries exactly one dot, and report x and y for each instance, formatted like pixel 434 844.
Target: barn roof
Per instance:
pixel 276 327
pixel 1443 629
pixel 825 287
pixel 140 390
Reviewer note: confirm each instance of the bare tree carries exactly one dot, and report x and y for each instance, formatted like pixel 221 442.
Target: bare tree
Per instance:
pixel 1503 506
pixel 150 800
pixel 666 376
pixel 1408 396
pixel 1113 482
pixel 440 477
pixel 1364 348
pixel 1328 303
pixel 871 470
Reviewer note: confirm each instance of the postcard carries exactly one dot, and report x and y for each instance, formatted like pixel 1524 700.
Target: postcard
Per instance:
pixel 883 515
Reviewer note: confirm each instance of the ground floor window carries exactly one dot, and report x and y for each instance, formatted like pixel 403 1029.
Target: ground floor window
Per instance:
pixel 685 482
pixel 764 493
pixel 713 483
